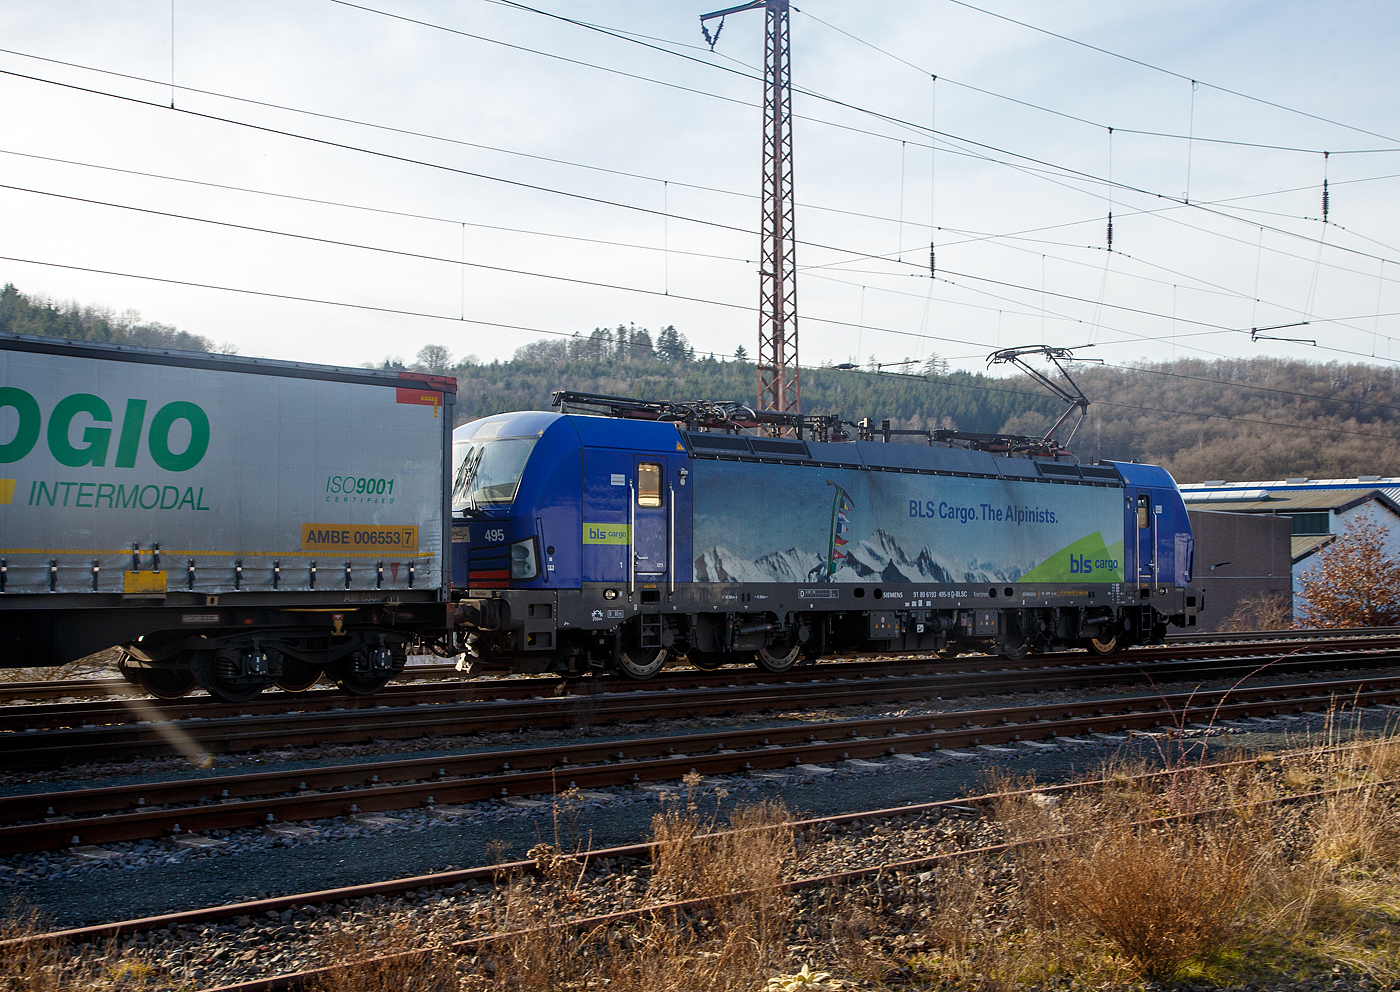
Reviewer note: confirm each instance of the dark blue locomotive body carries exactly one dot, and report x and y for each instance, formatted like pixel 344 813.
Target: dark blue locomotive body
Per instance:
pixel 599 543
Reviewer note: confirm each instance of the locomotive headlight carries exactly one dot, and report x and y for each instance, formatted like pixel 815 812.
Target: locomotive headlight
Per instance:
pixel 524 562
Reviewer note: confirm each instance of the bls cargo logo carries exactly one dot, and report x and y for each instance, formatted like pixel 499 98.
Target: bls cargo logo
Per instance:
pixel 1084 565
pixel 90 412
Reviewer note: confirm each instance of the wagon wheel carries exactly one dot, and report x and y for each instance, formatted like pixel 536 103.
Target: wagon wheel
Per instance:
pixel 779 659
pixel 640 663
pixel 233 692
pixel 298 675
pixel 127 672
pixel 1015 641
pixel 163 683
pixel 357 685
pixel 1015 652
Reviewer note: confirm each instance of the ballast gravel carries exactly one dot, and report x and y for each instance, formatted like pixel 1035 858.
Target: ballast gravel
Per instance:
pixel 312 936
pixel 84 886
pixel 122 881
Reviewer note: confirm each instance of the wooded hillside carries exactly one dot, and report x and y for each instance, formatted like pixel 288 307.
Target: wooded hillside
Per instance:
pixel 1238 420
pixel 20 314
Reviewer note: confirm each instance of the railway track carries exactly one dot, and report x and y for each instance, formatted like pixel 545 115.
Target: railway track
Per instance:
pixel 315 977
pixel 633 857
pixel 151 730
pixel 107 815
pixel 78 689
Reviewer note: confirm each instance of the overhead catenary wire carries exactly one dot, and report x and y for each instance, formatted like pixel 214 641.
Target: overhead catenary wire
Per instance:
pixel 1220 329
pixel 1189 137
pixel 341 204
pixel 806 91
pixel 1170 72
pixel 500 269
pixel 394 157
pixel 1058 170
pixel 568 334
pixel 1381 259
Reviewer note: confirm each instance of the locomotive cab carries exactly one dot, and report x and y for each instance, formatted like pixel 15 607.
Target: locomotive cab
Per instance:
pixel 564 525
pixel 502 469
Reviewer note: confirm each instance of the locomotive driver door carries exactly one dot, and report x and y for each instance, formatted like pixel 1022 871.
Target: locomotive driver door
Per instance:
pixel 1146 520
pixel 651 515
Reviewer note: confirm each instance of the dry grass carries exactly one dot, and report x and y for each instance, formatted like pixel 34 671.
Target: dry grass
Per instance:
pixel 1260 612
pixel 52 966
pixel 386 956
pixel 1235 889
pixel 1160 897
pixel 733 941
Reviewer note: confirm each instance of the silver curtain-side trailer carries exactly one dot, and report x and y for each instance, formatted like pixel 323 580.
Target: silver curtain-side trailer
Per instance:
pixel 233 522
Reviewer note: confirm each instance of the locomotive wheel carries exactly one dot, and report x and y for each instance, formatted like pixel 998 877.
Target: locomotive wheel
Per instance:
pixel 1102 646
pixel 163 683
pixel 772 661
pixel 1015 652
pixel 298 675
pixel 706 661
pixel 640 663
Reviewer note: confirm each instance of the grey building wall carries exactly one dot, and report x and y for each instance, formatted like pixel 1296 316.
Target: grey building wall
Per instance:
pixel 1241 556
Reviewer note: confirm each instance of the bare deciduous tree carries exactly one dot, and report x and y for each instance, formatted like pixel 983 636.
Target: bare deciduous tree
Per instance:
pixel 434 358
pixel 1355 583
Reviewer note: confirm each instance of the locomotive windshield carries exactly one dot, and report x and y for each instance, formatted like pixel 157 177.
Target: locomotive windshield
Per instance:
pixel 489 470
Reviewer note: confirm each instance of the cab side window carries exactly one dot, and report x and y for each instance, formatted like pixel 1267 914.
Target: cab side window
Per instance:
pixel 1144 512
pixel 648 484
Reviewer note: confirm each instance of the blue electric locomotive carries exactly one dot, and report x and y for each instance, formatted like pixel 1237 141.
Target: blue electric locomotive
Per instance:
pixel 617 542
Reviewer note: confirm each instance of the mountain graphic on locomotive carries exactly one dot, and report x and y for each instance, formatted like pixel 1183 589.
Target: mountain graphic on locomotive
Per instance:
pixel 641 532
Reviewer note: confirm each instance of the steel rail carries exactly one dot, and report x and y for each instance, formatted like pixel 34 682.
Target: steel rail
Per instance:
pixel 10 691
pixel 313 977
pixel 34 749
pixel 446 879
pixel 108 712
pixel 535 771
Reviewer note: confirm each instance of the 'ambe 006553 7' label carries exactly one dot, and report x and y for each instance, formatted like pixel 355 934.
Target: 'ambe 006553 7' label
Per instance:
pixel 358 537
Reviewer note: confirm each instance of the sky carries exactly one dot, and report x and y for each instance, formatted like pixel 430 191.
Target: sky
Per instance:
pixel 321 181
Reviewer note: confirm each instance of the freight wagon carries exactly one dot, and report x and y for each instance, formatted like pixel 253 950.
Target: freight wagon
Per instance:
pixel 233 522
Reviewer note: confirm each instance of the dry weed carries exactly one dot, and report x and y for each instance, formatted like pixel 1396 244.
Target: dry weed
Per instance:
pixel 1160 896
pixel 386 955
pixel 1356 825
pixel 1260 612
pixel 733 941
pixel 53 966
pixel 740 869
pixel 850 930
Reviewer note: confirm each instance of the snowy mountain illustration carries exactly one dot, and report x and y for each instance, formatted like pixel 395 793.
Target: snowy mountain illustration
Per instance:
pixel 883 559
pixel 722 565
pixel 879 558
